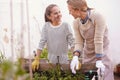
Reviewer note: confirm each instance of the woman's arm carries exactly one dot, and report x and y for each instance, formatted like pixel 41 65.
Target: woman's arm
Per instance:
pixel 100 27
pixel 79 41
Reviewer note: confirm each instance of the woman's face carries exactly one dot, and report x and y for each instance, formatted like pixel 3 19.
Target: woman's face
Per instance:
pixel 55 15
pixel 76 13
pixel 73 12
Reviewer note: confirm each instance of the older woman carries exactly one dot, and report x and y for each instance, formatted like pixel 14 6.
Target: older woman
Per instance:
pixel 91 36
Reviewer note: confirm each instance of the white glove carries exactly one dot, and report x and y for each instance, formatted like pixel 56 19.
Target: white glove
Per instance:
pixel 75 64
pixel 100 66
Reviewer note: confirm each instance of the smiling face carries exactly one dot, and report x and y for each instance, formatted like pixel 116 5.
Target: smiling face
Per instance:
pixel 77 13
pixel 77 8
pixel 55 15
pixel 73 12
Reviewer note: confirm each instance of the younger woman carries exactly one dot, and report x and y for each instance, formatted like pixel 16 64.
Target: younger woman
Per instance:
pixel 57 35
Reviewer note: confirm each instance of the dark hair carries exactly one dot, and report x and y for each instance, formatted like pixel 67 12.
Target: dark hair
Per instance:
pixel 48 12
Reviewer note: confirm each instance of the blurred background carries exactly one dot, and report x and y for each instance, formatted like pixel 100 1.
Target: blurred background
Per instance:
pixel 21 22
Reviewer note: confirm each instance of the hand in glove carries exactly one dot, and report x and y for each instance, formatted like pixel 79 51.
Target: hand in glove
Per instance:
pixel 100 66
pixel 35 63
pixel 75 64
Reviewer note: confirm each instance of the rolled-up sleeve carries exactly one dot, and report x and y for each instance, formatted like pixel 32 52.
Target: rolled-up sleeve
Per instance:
pixel 100 27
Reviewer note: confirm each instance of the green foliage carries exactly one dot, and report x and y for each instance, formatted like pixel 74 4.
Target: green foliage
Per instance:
pixel 20 71
pixel 58 74
pixel 44 54
pixel 70 54
pixel 12 71
pixel 2 57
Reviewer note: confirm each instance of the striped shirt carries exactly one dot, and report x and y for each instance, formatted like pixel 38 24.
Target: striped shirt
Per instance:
pixel 57 38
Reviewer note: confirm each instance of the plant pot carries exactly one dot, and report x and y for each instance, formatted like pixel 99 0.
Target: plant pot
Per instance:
pixel 118 69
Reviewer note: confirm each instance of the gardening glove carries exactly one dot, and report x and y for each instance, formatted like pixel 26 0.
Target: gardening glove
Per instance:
pixel 100 66
pixel 35 63
pixel 75 64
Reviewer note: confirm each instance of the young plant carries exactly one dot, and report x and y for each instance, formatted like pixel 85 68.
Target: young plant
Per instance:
pixel 12 71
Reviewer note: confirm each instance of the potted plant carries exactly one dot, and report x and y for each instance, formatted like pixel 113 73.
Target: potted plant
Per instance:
pixel 118 69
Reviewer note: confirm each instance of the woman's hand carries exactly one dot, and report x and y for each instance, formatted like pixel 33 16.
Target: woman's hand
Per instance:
pixel 75 64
